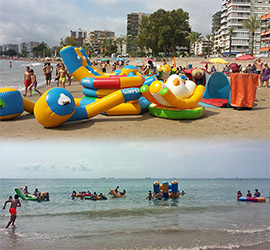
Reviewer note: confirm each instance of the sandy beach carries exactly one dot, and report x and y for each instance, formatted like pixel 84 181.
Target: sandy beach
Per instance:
pixel 216 124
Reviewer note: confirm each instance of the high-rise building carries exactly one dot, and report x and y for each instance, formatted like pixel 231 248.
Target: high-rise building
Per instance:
pixel 7 47
pixel 233 13
pixel 97 37
pixel 265 35
pixel 26 48
pixel 133 23
pixel 79 35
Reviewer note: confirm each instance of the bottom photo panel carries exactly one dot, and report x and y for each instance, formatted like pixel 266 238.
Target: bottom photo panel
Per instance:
pixel 134 194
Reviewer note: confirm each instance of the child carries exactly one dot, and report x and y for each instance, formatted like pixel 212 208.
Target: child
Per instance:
pixel 27 80
pixel 33 83
pixel 58 66
pixel 62 73
pixel 14 204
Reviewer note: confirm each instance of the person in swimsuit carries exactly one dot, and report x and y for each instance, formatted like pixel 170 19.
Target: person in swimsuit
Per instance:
pixel 159 195
pixel 58 66
pixel 33 83
pixel 248 194
pixel 48 69
pixel 62 73
pixel 123 192
pixel 13 213
pixel 257 193
pixel 27 80
pixel 150 196
pixel 239 194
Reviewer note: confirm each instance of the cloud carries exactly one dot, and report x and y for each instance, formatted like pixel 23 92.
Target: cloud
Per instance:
pixel 36 167
pixel 48 21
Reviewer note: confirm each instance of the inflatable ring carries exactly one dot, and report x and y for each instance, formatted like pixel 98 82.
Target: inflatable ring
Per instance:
pixel 176 114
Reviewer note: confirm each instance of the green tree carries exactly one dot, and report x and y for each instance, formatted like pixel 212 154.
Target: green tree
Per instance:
pixel 69 40
pixel 41 50
pixel 252 24
pixel 208 38
pixel 108 47
pixel 230 31
pixel 163 31
pixel 55 50
pixel 88 49
pixel 194 37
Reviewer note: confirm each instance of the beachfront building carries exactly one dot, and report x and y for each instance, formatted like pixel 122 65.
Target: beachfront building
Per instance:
pixel 216 36
pixel 133 23
pixel 7 47
pixel 265 35
pixel 79 35
pixel 96 38
pixel 26 48
pixel 233 13
pixel 201 48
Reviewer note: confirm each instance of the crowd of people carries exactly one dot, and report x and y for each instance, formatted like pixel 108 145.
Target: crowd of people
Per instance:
pixel 83 194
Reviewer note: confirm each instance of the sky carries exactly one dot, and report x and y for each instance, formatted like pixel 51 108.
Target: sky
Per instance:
pixel 134 159
pixel 49 20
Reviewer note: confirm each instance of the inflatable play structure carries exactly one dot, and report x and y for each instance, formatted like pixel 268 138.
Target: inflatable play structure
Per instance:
pixel 252 199
pixel 165 71
pixel 12 104
pixel 57 106
pixel 98 85
pixel 19 191
pixel 177 98
pixel 217 91
pixel 168 190
pixel 117 195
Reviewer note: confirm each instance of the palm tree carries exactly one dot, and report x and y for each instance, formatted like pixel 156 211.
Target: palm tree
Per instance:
pixel 88 49
pixel 230 30
pixel 120 42
pixel 208 37
pixel 252 24
pixel 194 37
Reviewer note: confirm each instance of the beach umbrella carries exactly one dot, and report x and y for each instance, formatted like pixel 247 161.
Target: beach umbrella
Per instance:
pixel 104 60
pixel 148 59
pixel 234 67
pixel 245 58
pixel 218 60
pixel 206 62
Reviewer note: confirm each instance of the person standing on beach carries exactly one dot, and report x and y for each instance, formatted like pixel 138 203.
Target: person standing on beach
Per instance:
pixel 62 73
pixel 27 79
pixel 103 67
pixel 10 64
pixel 58 66
pixel 14 204
pixel 265 75
pixel 259 65
pixel 33 83
pixel 48 69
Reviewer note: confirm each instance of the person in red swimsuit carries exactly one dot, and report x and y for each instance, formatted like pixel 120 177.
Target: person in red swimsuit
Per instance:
pixel 27 80
pixel 13 213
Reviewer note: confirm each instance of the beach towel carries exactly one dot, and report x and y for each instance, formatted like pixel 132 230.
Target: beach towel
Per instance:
pixel 243 89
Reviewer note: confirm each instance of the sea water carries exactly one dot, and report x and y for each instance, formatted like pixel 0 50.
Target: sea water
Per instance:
pixel 14 76
pixel 208 216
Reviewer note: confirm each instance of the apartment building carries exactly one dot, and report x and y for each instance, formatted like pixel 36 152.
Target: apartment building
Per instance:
pixel 265 36
pixel 79 35
pixel 233 13
pixel 26 48
pixel 7 47
pixel 133 23
pixel 96 38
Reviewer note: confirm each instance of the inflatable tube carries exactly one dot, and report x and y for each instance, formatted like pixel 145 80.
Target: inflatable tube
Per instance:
pixel 252 199
pixel 177 114
pixel 21 194
pixel 116 195
pixel 131 108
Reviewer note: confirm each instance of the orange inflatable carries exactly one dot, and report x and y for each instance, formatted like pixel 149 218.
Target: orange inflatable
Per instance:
pixel 243 89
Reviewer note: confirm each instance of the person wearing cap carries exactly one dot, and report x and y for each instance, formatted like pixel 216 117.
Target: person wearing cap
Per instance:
pixel 265 75
pixel 198 76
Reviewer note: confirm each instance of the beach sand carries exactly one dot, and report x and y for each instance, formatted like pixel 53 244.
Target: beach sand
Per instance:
pixel 217 123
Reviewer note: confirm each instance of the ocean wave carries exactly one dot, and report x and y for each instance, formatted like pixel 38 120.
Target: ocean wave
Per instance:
pixel 144 211
pixel 248 231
